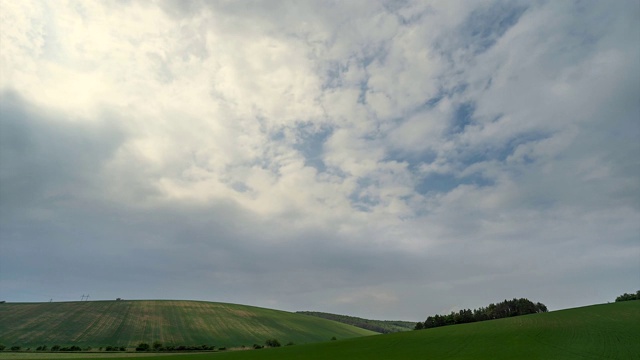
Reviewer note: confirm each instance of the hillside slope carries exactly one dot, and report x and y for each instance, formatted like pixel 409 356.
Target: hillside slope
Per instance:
pixel 381 326
pixel 608 331
pixel 127 323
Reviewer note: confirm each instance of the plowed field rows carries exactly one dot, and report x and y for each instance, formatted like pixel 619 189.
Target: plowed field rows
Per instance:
pixel 127 323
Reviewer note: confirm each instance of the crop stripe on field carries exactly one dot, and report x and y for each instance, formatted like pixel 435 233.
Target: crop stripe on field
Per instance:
pixel 118 334
pixel 95 324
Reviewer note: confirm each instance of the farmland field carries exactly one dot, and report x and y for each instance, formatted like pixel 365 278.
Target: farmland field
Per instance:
pixel 127 323
pixel 608 331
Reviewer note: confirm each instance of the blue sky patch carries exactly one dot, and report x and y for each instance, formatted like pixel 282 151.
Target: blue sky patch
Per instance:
pixel 310 145
pixel 485 26
pixel 443 183
pixel 462 116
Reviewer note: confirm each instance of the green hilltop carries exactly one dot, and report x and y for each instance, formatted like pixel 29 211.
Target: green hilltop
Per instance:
pixel 127 323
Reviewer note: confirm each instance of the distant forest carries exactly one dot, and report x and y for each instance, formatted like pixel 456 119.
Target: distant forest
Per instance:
pixel 381 326
pixel 507 308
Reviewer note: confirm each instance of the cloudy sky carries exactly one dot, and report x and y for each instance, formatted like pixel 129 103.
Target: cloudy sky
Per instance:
pixel 384 159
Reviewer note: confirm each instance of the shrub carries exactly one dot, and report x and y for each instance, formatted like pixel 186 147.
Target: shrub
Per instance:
pixel 290 343
pixel 55 348
pixel 143 347
pixel 272 343
pixel 157 346
pixel 15 348
pixel 42 348
pixel 2 347
pixel 71 348
pixel 256 346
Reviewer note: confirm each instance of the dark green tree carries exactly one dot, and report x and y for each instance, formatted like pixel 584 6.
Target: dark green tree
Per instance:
pixel 506 308
pixel 272 343
pixel 541 308
pixel 628 297
pixel 143 347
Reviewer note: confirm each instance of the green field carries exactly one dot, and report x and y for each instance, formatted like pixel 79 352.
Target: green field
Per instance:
pixel 127 323
pixel 609 331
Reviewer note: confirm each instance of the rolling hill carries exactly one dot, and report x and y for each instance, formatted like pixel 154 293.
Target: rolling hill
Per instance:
pixel 380 326
pixel 608 331
pixel 127 323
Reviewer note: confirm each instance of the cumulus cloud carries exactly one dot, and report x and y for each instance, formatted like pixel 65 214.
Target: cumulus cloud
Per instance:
pixel 383 159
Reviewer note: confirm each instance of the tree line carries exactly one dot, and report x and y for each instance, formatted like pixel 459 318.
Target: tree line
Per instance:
pixel 156 346
pixel 627 297
pixel 507 308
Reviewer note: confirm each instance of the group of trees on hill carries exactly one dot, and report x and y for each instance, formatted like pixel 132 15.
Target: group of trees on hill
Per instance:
pixel 507 308
pixel 627 297
pixel 157 346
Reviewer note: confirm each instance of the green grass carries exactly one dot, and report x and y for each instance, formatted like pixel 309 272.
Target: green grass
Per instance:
pixel 596 332
pixel 127 323
pixel 609 331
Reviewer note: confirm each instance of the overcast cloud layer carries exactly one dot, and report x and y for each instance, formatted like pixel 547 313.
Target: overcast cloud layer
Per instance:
pixel 380 159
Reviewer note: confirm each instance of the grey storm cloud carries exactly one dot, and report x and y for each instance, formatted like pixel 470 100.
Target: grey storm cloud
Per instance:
pixel 383 159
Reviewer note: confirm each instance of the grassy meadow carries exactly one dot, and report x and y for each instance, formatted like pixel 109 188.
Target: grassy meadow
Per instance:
pixel 608 331
pixel 127 323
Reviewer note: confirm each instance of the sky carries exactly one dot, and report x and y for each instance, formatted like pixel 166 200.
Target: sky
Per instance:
pixel 381 159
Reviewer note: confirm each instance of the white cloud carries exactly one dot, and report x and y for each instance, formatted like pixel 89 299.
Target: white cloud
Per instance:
pixel 430 132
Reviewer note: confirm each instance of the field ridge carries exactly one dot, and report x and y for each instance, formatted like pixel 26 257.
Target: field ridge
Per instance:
pixel 172 322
